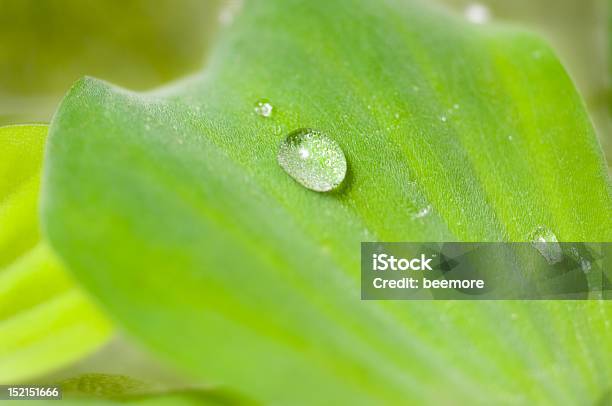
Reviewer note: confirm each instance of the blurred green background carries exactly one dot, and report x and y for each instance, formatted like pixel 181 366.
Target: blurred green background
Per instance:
pixel 48 44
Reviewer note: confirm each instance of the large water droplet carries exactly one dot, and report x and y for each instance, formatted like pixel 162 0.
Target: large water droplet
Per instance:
pixel 545 241
pixel 263 108
pixel 313 159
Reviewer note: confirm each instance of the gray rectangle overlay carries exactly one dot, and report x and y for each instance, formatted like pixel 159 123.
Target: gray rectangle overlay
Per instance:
pixel 486 271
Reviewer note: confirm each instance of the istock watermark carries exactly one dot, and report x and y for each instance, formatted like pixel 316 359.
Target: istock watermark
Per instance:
pixel 382 262
pixel 486 271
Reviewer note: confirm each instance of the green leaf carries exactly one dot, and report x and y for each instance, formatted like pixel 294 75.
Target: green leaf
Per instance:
pixel 45 320
pixel 105 389
pixel 101 385
pixel 175 398
pixel 167 399
pixel 171 208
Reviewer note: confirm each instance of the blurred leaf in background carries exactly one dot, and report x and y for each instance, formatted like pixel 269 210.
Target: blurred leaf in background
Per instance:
pixel 46 321
pixel 578 31
pixel 47 45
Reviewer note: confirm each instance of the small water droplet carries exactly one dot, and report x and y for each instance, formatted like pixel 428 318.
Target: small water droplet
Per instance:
pixel 545 241
pixel 585 264
pixel 263 108
pixel 443 119
pixel 456 106
pixel 313 159
pixel 423 212
pixel 509 138
pixel 397 116
pixel 477 13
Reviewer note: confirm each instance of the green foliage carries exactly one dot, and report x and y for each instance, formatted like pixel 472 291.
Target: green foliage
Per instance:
pixel 178 398
pixel 48 44
pixel 45 321
pixel 105 389
pixel 170 208
pixel 93 37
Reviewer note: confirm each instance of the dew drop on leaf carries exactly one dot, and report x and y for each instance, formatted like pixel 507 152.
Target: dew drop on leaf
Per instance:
pixel 424 212
pixel 263 108
pixel 313 159
pixel 585 264
pixel 545 241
